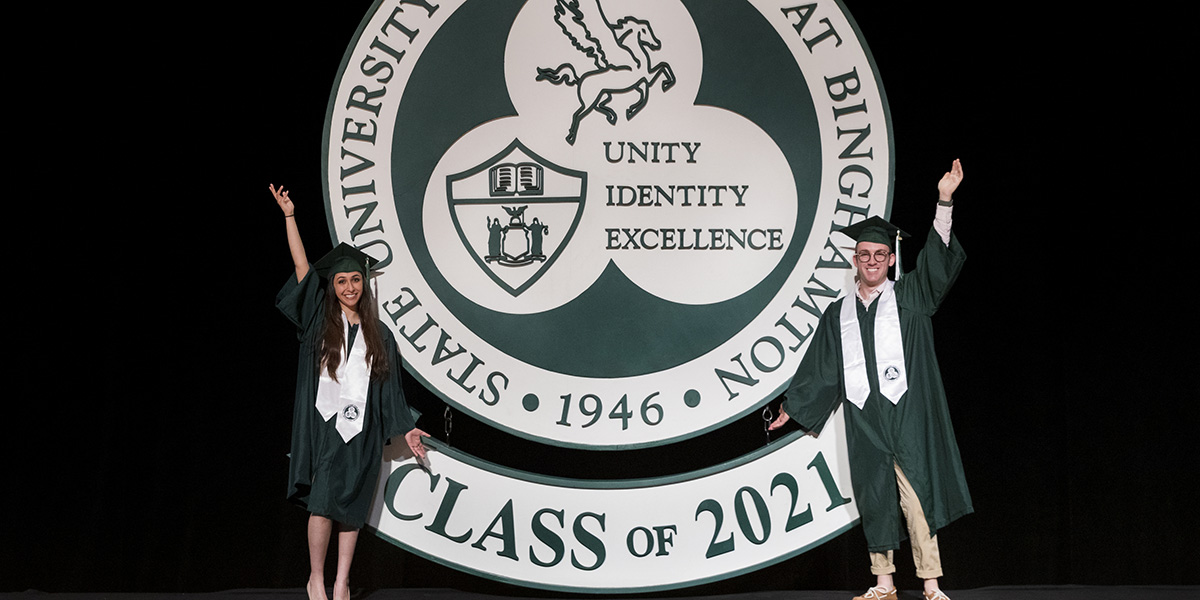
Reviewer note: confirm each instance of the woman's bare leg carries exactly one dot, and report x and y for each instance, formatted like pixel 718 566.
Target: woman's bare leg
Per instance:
pixel 319 531
pixel 347 540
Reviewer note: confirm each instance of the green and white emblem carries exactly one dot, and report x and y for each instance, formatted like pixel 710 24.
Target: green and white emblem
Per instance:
pixel 489 205
pixel 606 223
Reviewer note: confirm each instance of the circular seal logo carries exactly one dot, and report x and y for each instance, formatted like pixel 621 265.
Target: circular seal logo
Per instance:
pixel 350 413
pixel 605 223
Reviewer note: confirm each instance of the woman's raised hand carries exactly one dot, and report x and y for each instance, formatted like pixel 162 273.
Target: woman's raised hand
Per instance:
pixel 281 197
pixel 295 245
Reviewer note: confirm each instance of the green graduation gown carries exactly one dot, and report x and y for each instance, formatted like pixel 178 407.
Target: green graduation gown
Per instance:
pixel 915 433
pixel 328 476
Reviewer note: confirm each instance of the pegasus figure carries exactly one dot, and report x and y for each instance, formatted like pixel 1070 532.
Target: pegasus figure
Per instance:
pixel 621 53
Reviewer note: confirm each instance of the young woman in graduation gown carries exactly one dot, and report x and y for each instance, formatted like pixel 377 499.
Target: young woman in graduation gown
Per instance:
pixel 349 399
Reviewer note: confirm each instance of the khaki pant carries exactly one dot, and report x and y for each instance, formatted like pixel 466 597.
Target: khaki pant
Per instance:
pixel 924 547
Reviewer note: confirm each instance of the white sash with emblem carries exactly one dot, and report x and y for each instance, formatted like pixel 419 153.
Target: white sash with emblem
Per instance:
pixel 347 397
pixel 889 350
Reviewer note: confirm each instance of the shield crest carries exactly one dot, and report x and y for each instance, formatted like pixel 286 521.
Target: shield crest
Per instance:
pixel 515 213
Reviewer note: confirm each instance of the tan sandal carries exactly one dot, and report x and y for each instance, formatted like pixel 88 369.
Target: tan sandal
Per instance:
pixel 878 593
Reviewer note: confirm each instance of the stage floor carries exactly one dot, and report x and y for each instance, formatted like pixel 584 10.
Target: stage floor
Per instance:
pixel 987 593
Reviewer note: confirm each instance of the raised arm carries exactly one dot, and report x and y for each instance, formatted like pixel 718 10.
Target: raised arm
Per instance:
pixel 949 183
pixel 942 220
pixel 293 233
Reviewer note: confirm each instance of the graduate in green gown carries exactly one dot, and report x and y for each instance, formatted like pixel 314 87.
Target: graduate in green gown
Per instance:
pixel 349 399
pixel 872 354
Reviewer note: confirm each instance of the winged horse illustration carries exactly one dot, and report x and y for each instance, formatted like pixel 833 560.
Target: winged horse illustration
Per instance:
pixel 621 53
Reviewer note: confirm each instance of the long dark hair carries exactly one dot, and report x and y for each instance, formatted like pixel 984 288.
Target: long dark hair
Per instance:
pixel 333 340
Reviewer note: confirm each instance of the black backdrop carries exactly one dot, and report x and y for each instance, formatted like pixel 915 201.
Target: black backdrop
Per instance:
pixel 157 461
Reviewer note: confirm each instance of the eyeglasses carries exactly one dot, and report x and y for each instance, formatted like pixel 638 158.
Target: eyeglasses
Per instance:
pixel 865 256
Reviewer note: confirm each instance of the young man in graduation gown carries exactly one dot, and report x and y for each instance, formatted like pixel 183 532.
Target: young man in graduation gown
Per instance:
pixel 872 353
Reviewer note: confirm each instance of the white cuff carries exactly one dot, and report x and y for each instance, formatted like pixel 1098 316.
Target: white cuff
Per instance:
pixel 942 220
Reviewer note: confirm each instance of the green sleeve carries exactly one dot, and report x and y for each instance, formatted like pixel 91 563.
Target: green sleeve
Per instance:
pixel 816 388
pixel 398 417
pixel 938 265
pixel 301 301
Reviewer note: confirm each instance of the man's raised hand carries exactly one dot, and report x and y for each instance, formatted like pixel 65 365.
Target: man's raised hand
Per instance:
pixel 950 182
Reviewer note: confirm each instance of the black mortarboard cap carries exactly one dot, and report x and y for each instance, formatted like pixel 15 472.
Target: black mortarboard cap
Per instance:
pixel 344 258
pixel 875 230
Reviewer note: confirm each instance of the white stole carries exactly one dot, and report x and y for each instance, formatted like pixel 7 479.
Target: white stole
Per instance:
pixel 889 350
pixel 346 397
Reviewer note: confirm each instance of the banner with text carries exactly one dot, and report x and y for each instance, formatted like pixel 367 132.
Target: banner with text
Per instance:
pixel 607 225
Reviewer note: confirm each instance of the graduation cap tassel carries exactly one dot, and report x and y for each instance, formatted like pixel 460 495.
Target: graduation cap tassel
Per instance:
pixel 899 264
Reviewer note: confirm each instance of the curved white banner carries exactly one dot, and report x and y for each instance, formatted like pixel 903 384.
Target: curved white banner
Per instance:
pixel 619 536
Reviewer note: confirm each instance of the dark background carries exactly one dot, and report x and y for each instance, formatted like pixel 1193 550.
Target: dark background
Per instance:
pixel 156 461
